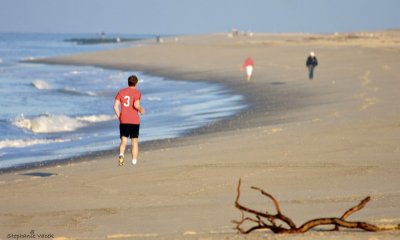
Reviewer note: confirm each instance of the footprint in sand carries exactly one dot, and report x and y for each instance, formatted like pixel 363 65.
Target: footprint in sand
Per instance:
pixel 132 235
pixel 387 67
pixel 273 130
pixel 189 232
pixel 368 101
pixel 365 79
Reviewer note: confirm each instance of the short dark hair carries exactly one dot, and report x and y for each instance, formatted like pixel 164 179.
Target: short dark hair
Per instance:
pixel 132 81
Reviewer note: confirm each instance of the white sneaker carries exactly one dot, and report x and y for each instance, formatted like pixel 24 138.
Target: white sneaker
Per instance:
pixel 134 161
pixel 121 160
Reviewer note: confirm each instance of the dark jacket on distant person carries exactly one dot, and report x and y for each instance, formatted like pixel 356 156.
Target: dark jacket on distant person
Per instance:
pixel 312 61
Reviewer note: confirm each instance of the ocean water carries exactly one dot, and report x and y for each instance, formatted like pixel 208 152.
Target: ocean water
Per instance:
pixel 51 112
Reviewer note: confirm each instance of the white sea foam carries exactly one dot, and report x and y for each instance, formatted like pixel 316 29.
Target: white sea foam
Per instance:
pixel 49 123
pixel 74 72
pixel 20 143
pixel 58 123
pixel 28 58
pixel 117 76
pixel 153 98
pixel 96 118
pixel 40 84
pixel 74 91
pixel 91 93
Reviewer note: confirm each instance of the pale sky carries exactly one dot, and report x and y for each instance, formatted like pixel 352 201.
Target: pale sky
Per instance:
pixel 197 16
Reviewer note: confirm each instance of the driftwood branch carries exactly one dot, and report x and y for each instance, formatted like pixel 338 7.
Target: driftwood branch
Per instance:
pixel 266 220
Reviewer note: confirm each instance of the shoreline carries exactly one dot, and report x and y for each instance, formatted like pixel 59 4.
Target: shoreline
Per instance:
pixel 222 125
pixel 319 148
pixel 145 145
pixel 234 83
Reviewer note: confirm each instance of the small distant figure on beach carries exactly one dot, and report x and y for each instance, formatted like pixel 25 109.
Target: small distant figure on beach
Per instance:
pixel 159 39
pixel 127 108
pixel 311 63
pixel 248 65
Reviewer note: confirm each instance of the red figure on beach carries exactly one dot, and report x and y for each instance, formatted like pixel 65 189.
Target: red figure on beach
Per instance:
pixel 127 108
pixel 248 65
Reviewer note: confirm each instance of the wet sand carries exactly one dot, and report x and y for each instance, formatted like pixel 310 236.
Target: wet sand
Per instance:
pixel 318 146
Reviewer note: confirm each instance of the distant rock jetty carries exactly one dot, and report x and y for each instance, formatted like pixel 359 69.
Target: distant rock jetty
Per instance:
pixel 101 40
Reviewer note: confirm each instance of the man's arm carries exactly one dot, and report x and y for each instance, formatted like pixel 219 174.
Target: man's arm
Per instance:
pixel 136 104
pixel 117 103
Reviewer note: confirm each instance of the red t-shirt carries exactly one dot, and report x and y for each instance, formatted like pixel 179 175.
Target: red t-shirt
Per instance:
pixel 129 114
pixel 248 62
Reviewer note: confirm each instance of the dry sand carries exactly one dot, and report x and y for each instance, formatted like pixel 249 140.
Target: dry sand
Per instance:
pixel 318 146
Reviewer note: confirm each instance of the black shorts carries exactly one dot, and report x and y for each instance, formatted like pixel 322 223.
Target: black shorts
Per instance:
pixel 129 130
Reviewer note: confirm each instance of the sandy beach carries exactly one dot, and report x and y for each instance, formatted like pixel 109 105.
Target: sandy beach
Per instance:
pixel 319 146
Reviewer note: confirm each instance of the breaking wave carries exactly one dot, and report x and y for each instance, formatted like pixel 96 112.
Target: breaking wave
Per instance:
pixel 20 143
pixel 74 91
pixel 58 123
pixel 40 84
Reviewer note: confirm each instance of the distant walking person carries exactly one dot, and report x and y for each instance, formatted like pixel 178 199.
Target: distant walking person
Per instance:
pixel 126 107
pixel 311 63
pixel 248 65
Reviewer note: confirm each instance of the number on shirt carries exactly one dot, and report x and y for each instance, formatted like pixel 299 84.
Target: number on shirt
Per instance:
pixel 127 101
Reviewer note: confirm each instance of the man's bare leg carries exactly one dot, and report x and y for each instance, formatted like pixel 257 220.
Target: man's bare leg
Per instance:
pixel 135 150
pixel 122 147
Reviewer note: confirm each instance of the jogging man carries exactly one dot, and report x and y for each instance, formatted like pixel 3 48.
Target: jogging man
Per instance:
pixel 126 107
